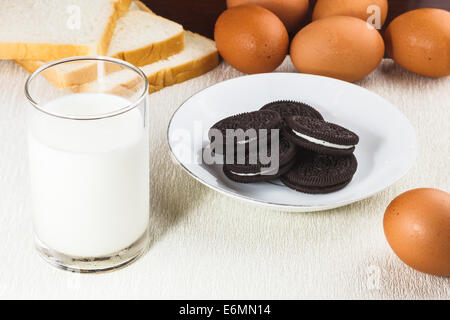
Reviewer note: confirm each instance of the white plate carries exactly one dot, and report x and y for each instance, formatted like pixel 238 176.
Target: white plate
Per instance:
pixel 386 151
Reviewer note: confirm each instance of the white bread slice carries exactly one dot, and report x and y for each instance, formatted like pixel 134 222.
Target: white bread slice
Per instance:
pixel 140 38
pixel 55 29
pixel 199 56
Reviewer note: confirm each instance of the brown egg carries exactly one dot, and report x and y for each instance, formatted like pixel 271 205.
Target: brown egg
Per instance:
pixel 291 12
pixel 251 39
pixel 417 227
pixel 345 48
pixel 361 9
pixel 419 41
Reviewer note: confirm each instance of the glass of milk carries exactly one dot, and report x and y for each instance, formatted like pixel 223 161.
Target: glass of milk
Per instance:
pixel 89 162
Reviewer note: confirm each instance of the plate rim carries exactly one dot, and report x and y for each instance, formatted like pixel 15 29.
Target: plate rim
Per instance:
pixel 280 206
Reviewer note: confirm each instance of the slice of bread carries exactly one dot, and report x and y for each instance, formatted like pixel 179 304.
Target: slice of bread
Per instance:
pixel 140 38
pixel 199 56
pixel 55 29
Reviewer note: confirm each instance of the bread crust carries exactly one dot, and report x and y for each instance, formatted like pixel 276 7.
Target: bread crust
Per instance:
pixel 120 8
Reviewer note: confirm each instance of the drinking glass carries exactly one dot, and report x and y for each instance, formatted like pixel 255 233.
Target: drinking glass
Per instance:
pixel 89 162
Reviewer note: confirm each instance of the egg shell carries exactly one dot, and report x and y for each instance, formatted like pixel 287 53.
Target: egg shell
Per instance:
pixel 417 227
pixel 291 12
pixel 354 8
pixel 251 38
pixel 345 48
pixel 419 41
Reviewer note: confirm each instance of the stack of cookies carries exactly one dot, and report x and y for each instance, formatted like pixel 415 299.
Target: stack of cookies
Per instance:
pixel 312 156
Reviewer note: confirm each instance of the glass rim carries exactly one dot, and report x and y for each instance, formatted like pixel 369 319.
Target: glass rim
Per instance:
pixel 120 111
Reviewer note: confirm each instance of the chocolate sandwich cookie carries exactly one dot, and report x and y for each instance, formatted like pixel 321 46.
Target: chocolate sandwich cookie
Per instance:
pixel 249 172
pixel 318 174
pixel 288 108
pixel 265 121
pixel 320 136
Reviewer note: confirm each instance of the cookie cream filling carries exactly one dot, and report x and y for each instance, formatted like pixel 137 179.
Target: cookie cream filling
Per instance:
pixel 246 141
pixel 267 172
pixel 321 142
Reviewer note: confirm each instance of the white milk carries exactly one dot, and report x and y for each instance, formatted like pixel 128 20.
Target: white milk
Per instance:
pixel 89 178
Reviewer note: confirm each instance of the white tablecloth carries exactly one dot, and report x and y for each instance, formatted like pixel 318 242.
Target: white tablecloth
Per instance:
pixel 209 246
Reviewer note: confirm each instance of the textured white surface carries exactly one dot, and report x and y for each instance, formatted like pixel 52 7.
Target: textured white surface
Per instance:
pixel 209 246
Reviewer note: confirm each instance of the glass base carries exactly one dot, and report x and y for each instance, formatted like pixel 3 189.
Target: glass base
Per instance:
pixel 107 263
